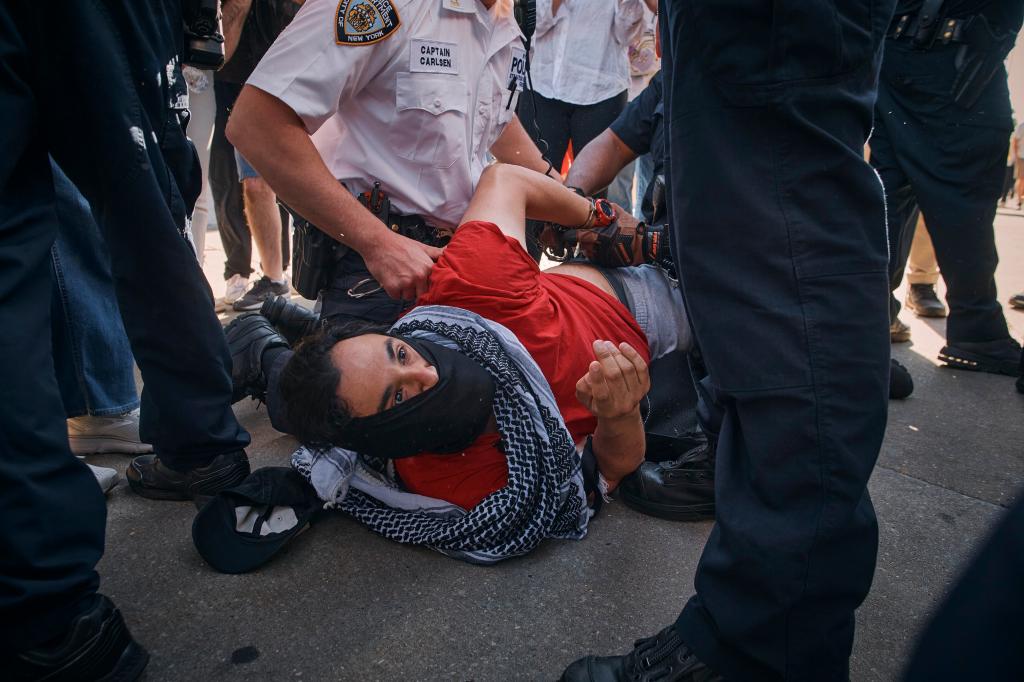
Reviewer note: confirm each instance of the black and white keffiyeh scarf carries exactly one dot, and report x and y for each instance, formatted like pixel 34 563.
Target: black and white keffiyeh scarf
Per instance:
pixel 544 497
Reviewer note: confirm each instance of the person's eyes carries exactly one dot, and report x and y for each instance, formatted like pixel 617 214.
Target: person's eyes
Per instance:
pixel 398 396
pixel 402 354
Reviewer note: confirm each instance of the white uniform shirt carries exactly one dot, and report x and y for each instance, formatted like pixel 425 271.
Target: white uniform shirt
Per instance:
pixel 411 93
pixel 580 53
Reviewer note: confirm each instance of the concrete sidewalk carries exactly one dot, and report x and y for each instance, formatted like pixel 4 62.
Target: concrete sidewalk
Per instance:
pixel 343 604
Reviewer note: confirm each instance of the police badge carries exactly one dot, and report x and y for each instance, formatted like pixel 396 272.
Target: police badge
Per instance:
pixel 365 22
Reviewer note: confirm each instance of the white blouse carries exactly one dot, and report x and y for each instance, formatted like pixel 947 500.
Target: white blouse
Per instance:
pixel 580 53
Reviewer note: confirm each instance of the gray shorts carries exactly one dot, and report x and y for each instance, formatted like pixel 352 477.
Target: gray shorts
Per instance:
pixel 657 304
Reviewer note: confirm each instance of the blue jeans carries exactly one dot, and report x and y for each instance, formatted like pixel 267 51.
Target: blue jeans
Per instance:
pixel 90 348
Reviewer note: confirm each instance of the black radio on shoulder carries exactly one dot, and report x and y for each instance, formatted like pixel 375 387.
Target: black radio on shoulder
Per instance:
pixel 525 12
pixel 204 38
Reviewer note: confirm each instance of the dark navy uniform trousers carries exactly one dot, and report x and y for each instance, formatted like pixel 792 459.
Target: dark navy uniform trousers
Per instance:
pixel 949 161
pixel 94 84
pixel 780 227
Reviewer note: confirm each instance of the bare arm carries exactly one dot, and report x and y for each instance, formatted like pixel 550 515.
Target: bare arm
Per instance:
pixel 599 162
pixel 233 14
pixel 507 195
pixel 271 136
pixel 515 146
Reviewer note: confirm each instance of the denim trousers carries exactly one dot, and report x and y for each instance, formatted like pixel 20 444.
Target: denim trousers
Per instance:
pixel 91 353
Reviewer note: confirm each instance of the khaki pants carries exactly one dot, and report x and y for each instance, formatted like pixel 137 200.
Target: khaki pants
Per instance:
pixel 922 267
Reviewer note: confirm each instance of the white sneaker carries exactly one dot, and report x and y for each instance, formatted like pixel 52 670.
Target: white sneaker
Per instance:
pixel 89 435
pixel 234 288
pixel 105 476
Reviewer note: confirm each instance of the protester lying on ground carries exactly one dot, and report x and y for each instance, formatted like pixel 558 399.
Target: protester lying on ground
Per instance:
pixel 483 398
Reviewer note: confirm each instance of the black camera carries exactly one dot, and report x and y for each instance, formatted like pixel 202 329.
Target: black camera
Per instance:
pixel 204 38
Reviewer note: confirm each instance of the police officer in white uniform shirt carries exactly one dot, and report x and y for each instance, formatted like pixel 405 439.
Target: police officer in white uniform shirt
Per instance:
pixel 408 93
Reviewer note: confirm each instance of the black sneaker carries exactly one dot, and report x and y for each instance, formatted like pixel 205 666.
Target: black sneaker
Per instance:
pixel 96 646
pixel 248 337
pixel 922 300
pixel 996 357
pixel 260 291
pixel 901 384
pixel 681 490
pixel 149 477
pixel 664 657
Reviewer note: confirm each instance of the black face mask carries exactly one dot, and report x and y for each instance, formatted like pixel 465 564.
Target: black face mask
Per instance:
pixel 445 418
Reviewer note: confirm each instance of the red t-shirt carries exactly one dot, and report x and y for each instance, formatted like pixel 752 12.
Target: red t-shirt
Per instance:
pixel 556 318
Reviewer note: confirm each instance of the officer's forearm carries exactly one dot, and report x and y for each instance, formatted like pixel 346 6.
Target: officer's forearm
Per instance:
pixel 514 146
pixel 599 162
pixel 274 140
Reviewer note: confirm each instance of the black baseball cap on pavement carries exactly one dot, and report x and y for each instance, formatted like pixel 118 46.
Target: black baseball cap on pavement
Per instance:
pixel 242 527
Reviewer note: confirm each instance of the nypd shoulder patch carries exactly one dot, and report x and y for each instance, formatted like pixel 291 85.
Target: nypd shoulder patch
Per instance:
pixel 365 22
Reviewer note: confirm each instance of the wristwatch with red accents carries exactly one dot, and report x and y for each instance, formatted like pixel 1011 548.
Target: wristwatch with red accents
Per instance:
pixel 604 213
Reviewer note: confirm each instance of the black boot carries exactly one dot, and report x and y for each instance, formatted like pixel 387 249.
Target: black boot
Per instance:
pixel 291 319
pixel 96 646
pixel 996 357
pixel 682 489
pixel 664 657
pixel 249 336
pixel 901 384
pixel 921 299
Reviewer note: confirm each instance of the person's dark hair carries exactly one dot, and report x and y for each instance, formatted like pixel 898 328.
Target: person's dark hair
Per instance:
pixel 309 384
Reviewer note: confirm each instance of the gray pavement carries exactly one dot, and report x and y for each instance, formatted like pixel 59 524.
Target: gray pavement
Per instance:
pixel 343 604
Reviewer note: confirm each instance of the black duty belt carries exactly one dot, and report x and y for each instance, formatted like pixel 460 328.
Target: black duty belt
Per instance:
pixel 376 201
pixel 926 27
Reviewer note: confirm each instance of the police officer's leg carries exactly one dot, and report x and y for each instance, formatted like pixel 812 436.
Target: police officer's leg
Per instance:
pixel 138 171
pixel 901 202
pixel 587 122
pixel 547 123
pixel 53 512
pixel 958 199
pixel 792 553
pixel 955 171
pixel 227 191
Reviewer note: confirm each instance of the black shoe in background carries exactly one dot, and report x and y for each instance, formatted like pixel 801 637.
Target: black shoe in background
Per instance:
pixel 922 300
pixel 996 357
pixel 260 291
pixel 249 336
pixel 901 384
pixel 681 490
pixel 96 646
pixel 151 478
pixel 294 321
pixel 664 656
pixel 899 331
